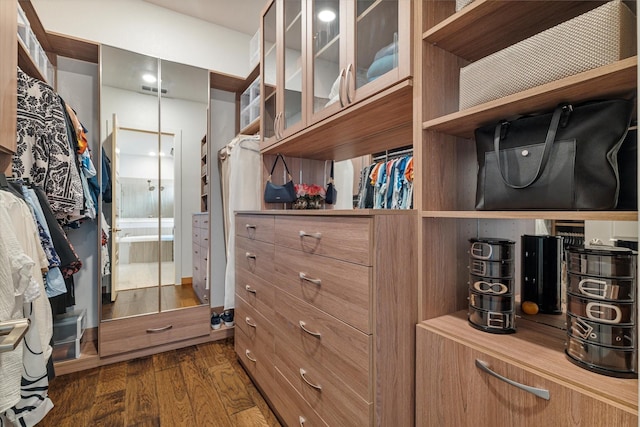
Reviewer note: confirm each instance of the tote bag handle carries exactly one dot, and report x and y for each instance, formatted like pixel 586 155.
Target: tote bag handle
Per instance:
pixel 548 144
pixel 279 156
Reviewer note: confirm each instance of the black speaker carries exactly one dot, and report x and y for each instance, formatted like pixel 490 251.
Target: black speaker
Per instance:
pixel 541 272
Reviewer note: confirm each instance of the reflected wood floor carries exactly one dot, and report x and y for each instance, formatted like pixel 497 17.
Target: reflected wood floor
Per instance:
pixel 196 386
pixel 134 302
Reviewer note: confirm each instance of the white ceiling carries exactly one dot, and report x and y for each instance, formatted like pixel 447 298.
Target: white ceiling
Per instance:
pixel 239 15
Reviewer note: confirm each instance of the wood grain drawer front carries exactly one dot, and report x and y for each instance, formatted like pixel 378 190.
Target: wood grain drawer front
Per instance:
pixel 257 329
pixel 258 366
pixel 292 407
pixel 256 292
pixel 255 227
pixel 255 257
pixel 134 333
pixel 336 404
pixel 327 341
pixel 452 391
pixel 345 238
pixel 342 289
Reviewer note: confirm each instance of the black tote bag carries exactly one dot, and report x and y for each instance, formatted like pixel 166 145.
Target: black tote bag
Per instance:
pixel 562 160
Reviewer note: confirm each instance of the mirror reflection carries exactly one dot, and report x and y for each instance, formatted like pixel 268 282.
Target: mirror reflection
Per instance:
pixel 151 145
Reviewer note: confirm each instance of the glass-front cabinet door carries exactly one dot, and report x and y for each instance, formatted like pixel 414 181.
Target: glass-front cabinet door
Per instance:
pixel 292 57
pixel 268 72
pixel 381 46
pixel 328 57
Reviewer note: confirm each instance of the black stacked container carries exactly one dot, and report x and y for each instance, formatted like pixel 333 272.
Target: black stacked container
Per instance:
pixel 491 285
pixel 601 310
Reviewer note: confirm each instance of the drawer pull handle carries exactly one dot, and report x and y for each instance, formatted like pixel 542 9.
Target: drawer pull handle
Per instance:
pixel 250 226
pixel 540 392
pixel 248 322
pixel 309 279
pixel 250 289
pixel 302 420
pixel 156 330
pixel 312 235
pixel 303 374
pixel 247 353
pixel 249 255
pixel 315 334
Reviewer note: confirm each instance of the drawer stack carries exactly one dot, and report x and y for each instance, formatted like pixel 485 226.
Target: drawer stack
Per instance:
pixel 336 311
pixel 68 329
pixel 200 227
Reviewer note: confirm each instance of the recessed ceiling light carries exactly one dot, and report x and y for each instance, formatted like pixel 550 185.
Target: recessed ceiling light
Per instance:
pixel 162 154
pixel 326 15
pixel 149 78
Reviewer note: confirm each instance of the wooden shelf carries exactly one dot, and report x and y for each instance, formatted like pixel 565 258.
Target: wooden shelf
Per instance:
pixel 555 215
pixel 27 63
pixel 487 26
pixel 616 79
pixel 252 128
pixel 381 122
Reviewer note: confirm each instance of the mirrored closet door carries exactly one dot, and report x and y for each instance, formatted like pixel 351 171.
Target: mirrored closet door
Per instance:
pixel 155 113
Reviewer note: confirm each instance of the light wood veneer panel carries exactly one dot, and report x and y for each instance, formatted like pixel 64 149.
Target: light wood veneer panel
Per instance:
pixel 451 390
pixel 254 360
pixel 340 348
pixel 256 227
pixel 258 331
pixel 293 409
pixel 8 83
pixel 255 257
pixel 337 404
pixel 342 238
pixel 349 302
pixel 129 334
pixel 260 294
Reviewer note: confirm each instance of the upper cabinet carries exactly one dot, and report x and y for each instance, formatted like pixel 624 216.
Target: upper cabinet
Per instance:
pixel 322 60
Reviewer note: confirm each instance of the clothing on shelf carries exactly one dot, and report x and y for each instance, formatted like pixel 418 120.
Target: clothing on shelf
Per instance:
pixel 241 181
pixel 387 183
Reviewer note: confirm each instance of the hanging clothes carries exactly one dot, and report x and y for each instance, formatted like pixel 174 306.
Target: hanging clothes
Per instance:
pixel 43 150
pixel 387 184
pixel 244 193
pixel 20 237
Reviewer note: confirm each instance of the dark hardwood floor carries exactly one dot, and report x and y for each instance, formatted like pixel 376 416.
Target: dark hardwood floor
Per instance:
pixel 196 386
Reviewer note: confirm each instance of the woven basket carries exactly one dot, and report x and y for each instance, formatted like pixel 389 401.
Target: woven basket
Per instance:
pixel 599 37
pixel 462 3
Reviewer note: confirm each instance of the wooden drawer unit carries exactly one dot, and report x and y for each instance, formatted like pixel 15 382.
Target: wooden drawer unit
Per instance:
pixel 345 238
pixel 292 407
pixel 200 249
pixel 331 274
pixel 340 288
pixel 255 227
pixel 336 404
pixel 255 257
pixel 151 330
pixel 255 291
pixel 453 389
pixel 257 329
pixel 326 341
pixel 253 359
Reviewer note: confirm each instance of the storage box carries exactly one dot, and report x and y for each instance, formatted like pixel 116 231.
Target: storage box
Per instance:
pixel 23 27
pixel 69 326
pixel 596 38
pixel 462 3
pixel 66 350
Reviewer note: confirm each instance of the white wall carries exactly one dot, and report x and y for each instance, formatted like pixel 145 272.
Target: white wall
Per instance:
pixel 78 86
pixel 144 28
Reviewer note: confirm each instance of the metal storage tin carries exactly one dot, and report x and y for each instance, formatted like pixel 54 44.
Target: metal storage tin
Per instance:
pixel 496 322
pixel 601 287
pixel 491 302
pixel 603 311
pixel 498 269
pixel 491 285
pixel 610 361
pixel 490 249
pixel 607 261
pixel 601 333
